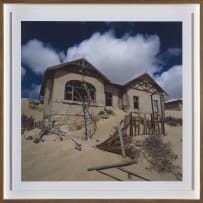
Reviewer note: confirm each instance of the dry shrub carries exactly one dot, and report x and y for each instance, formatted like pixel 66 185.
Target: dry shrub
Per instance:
pixel 39 124
pixel 133 152
pixel 28 123
pixel 159 154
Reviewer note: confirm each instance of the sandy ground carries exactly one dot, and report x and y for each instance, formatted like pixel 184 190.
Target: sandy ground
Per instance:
pixel 36 113
pixel 176 114
pixel 55 160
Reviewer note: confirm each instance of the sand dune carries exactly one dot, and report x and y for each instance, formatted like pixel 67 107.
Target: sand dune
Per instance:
pixel 55 160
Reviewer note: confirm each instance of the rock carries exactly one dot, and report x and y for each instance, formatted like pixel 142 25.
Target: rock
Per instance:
pixel 36 141
pixel 29 138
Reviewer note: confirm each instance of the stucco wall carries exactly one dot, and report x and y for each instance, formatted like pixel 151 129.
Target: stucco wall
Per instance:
pixel 145 105
pixel 57 103
pixel 115 95
pixel 157 97
pixel 54 102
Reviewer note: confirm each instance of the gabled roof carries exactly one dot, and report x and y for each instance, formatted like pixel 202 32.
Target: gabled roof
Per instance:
pixel 146 77
pixel 79 63
pixel 81 66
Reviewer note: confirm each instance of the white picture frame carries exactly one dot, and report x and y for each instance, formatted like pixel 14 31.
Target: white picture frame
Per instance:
pixel 189 188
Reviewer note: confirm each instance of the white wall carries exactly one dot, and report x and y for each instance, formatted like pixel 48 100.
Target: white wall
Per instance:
pixel 57 103
pixel 145 105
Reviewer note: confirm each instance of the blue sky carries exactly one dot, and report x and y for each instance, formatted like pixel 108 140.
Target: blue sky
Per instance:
pixel 120 50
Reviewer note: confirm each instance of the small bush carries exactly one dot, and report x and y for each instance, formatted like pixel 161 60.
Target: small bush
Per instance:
pixel 27 122
pixel 39 124
pixel 159 154
pixel 133 152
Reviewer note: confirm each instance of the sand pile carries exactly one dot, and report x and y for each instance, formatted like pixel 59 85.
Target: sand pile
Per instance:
pixel 55 160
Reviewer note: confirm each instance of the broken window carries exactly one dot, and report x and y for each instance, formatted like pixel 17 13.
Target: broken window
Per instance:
pixel 155 106
pixel 79 90
pixel 69 92
pixel 136 102
pixel 108 99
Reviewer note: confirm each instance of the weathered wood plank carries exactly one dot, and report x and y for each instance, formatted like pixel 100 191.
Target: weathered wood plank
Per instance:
pixel 53 131
pixel 131 125
pixel 112 165
pixel 74 140
pixel 131 173
pixel 121 142
pixel 42 133
pixel 102 172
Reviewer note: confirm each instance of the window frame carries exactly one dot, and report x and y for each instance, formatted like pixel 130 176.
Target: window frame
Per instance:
pixel 108 99
pixel 137 102
pixel 156 107
pixel 78 85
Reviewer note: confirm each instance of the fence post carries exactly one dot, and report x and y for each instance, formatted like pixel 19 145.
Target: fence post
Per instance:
pixel 122 144
pixel 139 125
pixel 162 115
pixel 144 124
pixel 131 124
pixel 135 127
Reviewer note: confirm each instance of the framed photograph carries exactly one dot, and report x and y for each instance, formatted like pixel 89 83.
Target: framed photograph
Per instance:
pixel 101 101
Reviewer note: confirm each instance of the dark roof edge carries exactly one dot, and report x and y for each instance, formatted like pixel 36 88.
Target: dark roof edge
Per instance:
pixel 148 75
pixel 72 62
pixel 95 69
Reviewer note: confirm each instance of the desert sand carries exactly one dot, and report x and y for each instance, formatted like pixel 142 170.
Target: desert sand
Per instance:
pixel 55 160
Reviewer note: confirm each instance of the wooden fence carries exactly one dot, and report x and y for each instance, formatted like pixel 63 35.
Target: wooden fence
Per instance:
pixel 119 166
pixel 134 124
pixel 146 124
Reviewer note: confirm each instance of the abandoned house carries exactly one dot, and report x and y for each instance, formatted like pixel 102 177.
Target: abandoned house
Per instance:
pixel 62 83
pixel 173 104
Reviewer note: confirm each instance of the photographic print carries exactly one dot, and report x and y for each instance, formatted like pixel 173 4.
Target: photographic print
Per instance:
pixel 100 93
pixel 101 101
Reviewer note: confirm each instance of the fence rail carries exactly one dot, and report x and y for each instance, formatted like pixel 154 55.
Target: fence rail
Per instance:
pixel 132 125
pixel 146 124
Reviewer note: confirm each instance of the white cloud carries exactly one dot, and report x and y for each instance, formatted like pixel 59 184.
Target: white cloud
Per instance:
pixel 37 56
pixel 174 51
pixel 120 59
pixel 171 81
pixel 33 92
pixel 23 71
